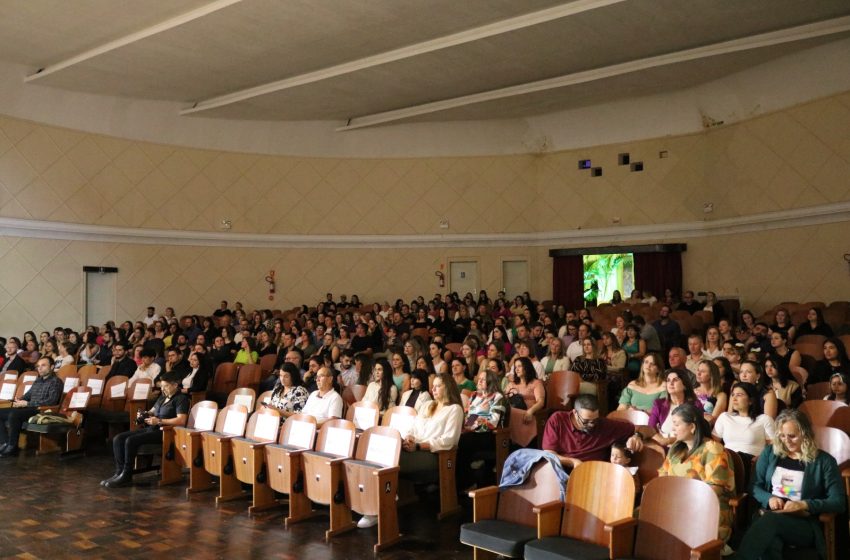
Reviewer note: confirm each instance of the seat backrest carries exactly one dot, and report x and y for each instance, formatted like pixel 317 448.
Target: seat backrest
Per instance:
pixel 264 425
pixel 249 376
pixel 822 413
pixel 364 414
pixel 810 348
pixel 23 387
pixel 224 380
pixel 648 460
pixel 232 420
pixel 114 393
pixel 738 469
pixel 542 486
pixel 203 416
pixel 139 390
pixel 598 493
pixel 76 399
pixel 243 396
pixel 835 442
pixel 381 445
pixel 454 348
pixel 264 398
pixel 670 525
pixel 337 438
pixel 299 431
pixel 86 372
pixel 813 339
pixel 817 391
pixel 636 417
pixel 401 418
pixel 7 389
pixel 562 386
pixel 69 376
pixel 800 375
pixel 267 363
pixel 522 433
pixel 94 378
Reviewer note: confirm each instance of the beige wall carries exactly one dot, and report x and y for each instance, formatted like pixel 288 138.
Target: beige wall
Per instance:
pixel 794 158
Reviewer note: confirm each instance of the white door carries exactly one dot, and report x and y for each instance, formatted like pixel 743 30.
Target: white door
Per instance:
pixel 463 277
pixel 100 297
pixel 514 278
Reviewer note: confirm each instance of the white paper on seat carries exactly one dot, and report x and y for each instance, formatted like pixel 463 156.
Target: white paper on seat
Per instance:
pixel 118 390
pixel 244 400
pixel 70 383
pixel 96 386
pixel 381 450
pixel 7 392
pixel 234 424
pixel 10 377
pixel 337 442
pixel 205 419
pixel 266 427
pixel 141 391
pixel 403 423
pixel 29 378
pixel 301 434
pixel 364 418
pixel 79 400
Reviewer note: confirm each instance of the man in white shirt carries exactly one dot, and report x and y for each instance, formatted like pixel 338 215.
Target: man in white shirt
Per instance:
pixel 150 317
pixel 347 372
pixel 323 403
pixel 696 355
pixel 574 350
pixel 148 369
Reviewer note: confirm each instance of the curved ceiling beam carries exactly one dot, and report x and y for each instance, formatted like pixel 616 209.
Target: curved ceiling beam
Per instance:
pixel 467 36
pixel 132 38
pixel 799 33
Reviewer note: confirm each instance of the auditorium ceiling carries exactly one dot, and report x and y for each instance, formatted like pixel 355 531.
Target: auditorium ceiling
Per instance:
pixel 370 63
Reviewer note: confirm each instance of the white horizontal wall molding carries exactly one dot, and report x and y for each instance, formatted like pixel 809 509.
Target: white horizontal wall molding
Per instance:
pixel 799 217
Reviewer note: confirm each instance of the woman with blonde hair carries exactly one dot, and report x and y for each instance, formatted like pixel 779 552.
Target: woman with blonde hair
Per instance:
pixel 641 393
pixel 555 359
pixel 709 390
pixel 794 483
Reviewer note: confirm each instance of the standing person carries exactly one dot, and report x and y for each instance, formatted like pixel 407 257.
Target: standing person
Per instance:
pixel 170 409
pixel 46 390
pixel 794 483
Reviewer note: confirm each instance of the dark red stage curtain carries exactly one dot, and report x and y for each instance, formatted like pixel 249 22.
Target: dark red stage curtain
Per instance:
pixel 658 271
pixel 568 281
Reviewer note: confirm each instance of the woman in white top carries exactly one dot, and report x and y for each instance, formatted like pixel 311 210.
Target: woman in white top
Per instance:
pixel 381 391
pixel 713 343
pixel 555 359
pixel 64 357
pixel 437 428
pixel 742 429
pixel 435 349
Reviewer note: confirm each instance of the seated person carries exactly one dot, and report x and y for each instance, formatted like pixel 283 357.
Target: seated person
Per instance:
pixel 46 390
pixel 581 435
pixel 170 409
pixel 622 455
pixel 794 482
pixel 381 391
pixel 324 403
pixel 834 360
pixel 122 362
pixel 12 361
pixel 838 389
pixel 649 386
pixel 695 455
pixel 524 389
pixel 289 394
pixel 147 369
pixel 679 391
pixel 197 379
pixel 417 396
pixel 486 413
pixel 247 353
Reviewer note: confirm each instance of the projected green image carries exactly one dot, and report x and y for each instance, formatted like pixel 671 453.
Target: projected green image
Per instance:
pixel 605 273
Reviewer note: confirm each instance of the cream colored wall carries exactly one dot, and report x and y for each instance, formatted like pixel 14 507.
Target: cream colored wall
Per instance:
pixel 793 158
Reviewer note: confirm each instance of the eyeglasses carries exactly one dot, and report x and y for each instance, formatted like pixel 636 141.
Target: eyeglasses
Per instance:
pixel 585 422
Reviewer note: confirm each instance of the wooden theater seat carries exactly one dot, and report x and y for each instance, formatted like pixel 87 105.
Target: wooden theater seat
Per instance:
pixel 218 453
pixel 244 396
pixel 561 388
pixel 249 375
pixel 504 520
pixel 597 521
pixel 64 438
pixel 364 414
pixel 371 481
pixel 324 473
pixel 188 452
pixel 250 458
pixel 284 465
pixel 834 414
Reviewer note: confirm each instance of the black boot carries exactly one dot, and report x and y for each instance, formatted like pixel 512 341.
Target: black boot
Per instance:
pixel 123 479
pixel 113 477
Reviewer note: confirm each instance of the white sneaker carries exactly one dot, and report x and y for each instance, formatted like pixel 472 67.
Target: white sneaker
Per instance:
pixel 475 465
pixel 367 521
pixel 727 550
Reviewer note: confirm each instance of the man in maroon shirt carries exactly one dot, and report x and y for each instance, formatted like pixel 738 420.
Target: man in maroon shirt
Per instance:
pixel 581 435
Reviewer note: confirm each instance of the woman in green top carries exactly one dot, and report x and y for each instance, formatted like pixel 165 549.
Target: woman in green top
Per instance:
pixel 649 386
pixel 460 373
pixel 247 353
pixel 401 377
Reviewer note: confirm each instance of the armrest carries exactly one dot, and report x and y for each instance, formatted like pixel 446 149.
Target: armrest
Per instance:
pixel 484 502
pixel 827 518
pixel 548 518
pixel 708 551
pixel 621 537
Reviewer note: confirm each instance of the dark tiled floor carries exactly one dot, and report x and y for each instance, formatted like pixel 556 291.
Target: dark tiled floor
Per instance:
pixel 52 508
